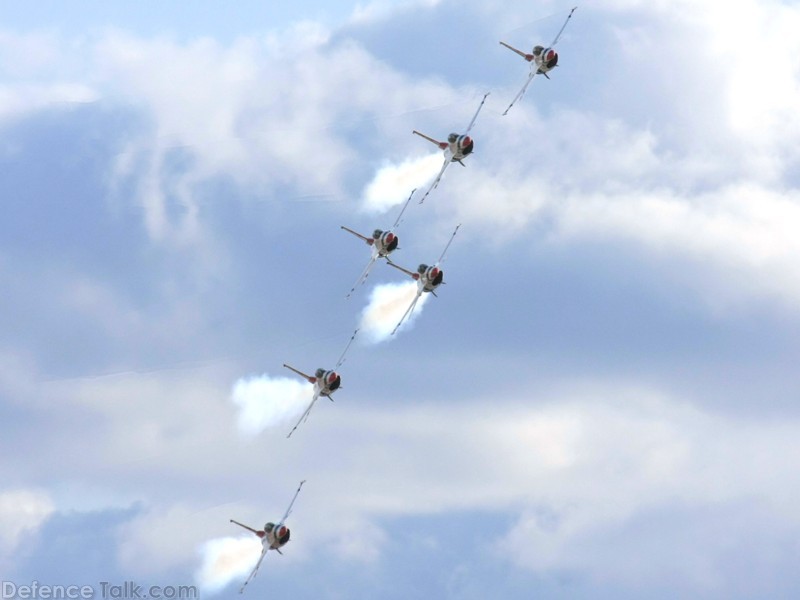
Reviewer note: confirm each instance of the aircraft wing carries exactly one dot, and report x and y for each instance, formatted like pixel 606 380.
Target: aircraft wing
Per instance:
pixel 363 276
pixel 441 258
pixel 447 161
pixel 370 241
pixel 408 311
pixel 480 106
pixel 520 52
pixel 399 268
pixel 289 510
pixel 305 414
pixel 245 526
pixel 308 377
pixel 440 145
pixel 558 35
pixel 400 216
pixel 522 91
pixel 255 569
pixel 344 352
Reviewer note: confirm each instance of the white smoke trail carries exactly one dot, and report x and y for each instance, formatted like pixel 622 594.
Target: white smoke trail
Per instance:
pixel 391 183
pixel 225 560
pixel 269 401
pixel 387 303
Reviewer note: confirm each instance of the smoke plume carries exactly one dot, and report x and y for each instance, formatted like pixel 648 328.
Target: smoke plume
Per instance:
pixel 387 303
pixel 391 183
pixel 225 560
pixel 265 401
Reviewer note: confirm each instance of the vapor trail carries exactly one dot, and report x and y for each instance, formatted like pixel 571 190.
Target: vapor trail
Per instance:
pixel 391 183
pixel 266 401
pixel 226 559
pixel 387 303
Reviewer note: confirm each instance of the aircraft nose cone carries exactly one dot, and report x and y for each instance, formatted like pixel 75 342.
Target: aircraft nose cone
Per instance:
pixel 332 377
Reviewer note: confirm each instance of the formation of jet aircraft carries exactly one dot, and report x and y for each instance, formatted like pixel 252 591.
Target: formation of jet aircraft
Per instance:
pixel 383 243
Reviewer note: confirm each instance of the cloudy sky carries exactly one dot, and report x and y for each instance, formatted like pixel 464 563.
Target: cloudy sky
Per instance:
pixel 603 401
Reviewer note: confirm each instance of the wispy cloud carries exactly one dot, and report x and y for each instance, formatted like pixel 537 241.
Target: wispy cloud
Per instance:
pixel 741 241
pixel 21 511
pixel 20 99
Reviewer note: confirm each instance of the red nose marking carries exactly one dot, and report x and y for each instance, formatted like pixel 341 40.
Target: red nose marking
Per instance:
pixel 389 238
pixel 467 141
pixel 434 273
pixel 282 532
pixel 551 55
pixel 331 377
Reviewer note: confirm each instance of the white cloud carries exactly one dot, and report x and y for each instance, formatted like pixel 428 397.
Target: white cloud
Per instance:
pixel 22 512
pixel 16 375
pixel 581 468
pixel 382 10
pixel 169 416
pixel 27 54
pixel 255 112
pixel 358 541
pixel 733 83
pixel 17 100
pixel 740 239
pixel 160 539
pixel 270 115
pixel 614 449
pixel 36 75
pixel 579 465
pixel 597 179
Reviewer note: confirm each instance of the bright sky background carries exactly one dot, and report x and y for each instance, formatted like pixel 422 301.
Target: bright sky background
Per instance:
pixel 601 403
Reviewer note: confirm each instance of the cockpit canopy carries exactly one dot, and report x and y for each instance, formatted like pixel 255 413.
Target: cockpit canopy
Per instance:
pixel 319 373
pixel 377 234
pixel 422 268
pixel 452 138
